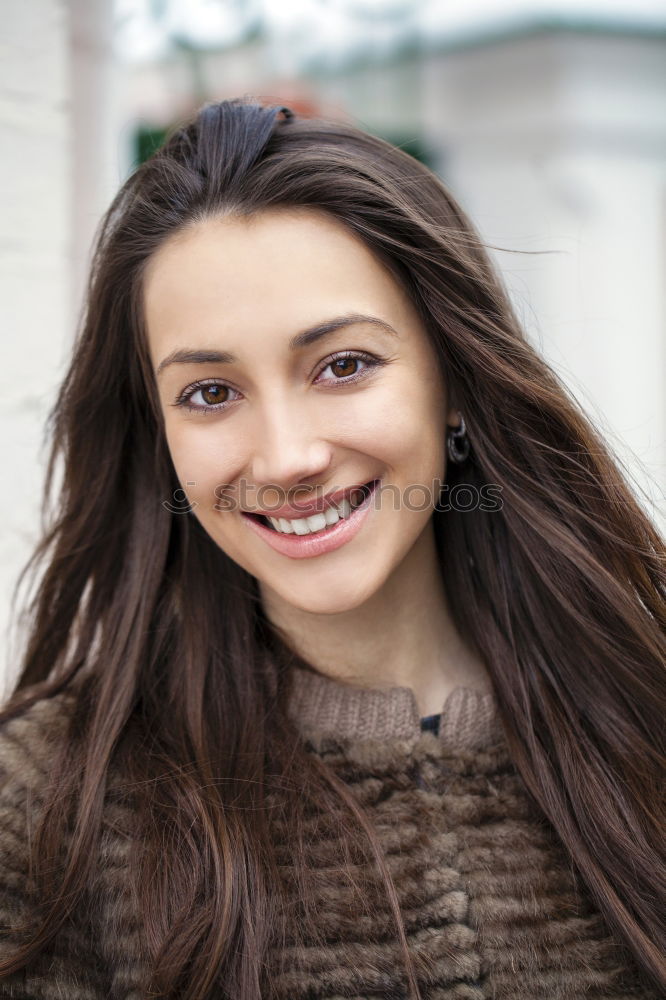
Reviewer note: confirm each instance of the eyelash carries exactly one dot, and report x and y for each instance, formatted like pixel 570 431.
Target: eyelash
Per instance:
pixel 187 394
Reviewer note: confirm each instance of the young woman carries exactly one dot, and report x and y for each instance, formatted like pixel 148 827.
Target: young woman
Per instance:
pixel 345 675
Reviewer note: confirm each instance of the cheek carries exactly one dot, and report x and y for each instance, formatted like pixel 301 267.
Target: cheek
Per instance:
pixel 415 450
pixel 202 457
pixel 408 423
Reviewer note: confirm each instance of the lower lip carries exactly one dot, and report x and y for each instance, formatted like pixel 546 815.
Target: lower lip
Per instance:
pixel 306 546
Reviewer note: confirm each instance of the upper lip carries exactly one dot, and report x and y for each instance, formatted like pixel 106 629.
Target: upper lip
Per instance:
pixel 316 506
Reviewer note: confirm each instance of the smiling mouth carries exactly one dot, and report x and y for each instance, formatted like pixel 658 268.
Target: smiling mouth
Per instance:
pixel 312 524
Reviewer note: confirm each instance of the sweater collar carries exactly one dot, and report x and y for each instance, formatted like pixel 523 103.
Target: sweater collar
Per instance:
pixel 324 705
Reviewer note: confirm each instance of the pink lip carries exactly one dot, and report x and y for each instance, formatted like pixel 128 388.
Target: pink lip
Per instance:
pixel 316 506
pixel 306 546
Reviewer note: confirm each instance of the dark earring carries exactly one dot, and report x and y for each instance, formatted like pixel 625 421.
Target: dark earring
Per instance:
pixel 457 443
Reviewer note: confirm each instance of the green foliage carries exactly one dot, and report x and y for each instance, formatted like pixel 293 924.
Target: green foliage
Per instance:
pixel 147 140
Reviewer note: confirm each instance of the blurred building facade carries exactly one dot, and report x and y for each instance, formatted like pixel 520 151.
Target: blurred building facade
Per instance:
pixel 58 169
pixel 552 137
pixel 35 261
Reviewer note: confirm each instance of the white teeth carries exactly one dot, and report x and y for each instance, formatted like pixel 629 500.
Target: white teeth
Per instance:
pixel 317 522
pixel 331 515
pixel 344 507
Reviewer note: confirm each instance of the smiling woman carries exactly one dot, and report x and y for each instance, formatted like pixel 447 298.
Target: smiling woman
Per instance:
pixel 316 733
pixel 278 409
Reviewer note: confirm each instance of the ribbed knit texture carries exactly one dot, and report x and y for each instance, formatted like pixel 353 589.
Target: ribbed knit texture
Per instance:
pixel 322 705
pixel 492 908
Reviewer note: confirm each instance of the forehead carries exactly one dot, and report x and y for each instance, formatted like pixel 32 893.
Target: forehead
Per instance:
pixel 276 271
pixel 229 239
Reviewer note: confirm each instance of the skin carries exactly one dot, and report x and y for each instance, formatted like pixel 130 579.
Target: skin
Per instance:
pixel 246 286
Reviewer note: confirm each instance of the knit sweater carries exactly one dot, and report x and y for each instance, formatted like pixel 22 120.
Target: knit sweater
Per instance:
pixel 492 906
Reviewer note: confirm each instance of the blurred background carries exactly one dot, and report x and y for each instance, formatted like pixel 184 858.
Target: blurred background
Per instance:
pixel 547 120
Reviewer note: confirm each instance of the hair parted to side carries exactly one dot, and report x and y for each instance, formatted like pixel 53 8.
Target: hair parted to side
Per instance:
pixel 180 675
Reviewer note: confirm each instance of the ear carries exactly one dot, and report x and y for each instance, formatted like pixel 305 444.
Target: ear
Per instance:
pixel 453 418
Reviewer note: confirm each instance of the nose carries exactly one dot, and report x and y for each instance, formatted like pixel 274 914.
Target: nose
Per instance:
pixel 287 449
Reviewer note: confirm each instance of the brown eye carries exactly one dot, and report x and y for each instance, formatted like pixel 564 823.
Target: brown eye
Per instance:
pixel 349 368
pixel 210 397
pixel 213 394
pixel 344 366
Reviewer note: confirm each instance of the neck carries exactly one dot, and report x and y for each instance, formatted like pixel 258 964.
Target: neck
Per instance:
pixel 403 635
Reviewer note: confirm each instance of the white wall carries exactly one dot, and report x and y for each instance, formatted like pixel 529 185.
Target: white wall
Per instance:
pixel 98 163
pixel 57 168
pixel 35 316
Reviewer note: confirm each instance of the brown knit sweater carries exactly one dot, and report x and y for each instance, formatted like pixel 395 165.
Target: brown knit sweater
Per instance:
pixel 492 907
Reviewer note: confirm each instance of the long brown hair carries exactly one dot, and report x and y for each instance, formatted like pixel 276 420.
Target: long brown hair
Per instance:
pixel 177 671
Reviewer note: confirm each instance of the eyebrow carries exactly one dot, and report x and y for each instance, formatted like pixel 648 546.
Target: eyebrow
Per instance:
pixel 314 333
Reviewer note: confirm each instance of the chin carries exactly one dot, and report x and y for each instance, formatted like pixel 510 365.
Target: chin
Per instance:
pixel 327 599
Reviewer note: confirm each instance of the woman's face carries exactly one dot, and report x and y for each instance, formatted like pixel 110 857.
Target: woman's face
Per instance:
pixel 286 355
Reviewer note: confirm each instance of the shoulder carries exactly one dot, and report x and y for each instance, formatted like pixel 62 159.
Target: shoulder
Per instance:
pixel 28 748
pixel 30 738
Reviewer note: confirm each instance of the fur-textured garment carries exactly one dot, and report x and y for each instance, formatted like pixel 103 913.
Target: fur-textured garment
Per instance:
pixel 492 907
